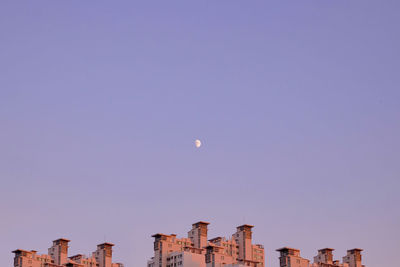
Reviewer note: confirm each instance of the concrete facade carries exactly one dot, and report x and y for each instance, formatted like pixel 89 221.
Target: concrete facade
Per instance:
pixel 58 257
pixel 197 250
pixel 353 258
pixel 290 257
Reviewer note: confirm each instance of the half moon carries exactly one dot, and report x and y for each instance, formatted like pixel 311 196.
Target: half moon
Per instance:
pixel 197 143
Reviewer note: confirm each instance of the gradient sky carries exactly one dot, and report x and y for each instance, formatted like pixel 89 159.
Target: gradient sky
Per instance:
pixel 297 104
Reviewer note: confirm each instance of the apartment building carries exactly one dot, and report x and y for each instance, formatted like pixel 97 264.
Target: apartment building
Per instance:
pixel 353 258
pixel 58 257
pixel 197 250
pixel 188 258
pixel 290 257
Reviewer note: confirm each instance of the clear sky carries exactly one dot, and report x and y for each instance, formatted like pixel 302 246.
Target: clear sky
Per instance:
pixel 297 104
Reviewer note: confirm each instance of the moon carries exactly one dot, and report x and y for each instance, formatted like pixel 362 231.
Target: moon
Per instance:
pixel 197 143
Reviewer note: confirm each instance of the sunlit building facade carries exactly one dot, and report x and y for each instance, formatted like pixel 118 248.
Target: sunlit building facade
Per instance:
pixel 197 251
pixel 290 257
pixel 58 257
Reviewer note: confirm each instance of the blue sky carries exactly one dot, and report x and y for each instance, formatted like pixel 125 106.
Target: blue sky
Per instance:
pixel 297 104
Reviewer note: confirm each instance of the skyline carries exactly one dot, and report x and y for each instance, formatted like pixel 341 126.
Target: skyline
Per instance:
pixel 296 103
pixel 195 250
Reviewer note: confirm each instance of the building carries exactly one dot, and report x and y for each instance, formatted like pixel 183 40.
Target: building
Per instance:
pixel 58 257
pixel 325 259
pixel 353 258
pixel 249 254
pixel 197 251
pixel 187 257
pixel 290 257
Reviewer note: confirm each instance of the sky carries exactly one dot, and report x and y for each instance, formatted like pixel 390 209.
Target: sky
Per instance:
pixel 297 105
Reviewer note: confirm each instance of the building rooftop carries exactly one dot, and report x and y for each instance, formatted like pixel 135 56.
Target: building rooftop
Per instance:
pixel 328 249
pixel 21 250
pixel 201 222
pixel 106 244
pixel 159 234
pixel 77 255
pixel 62 239
pixel 356 249
pixel 245 226
pixel 287 248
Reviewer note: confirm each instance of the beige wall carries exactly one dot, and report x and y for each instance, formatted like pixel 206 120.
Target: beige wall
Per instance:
pixel 58 256
pixel 59 251
pixel 198 234
pixel 185 258
pixel 30 258
pixel 214 253
pixel 290 257
pixel 353 258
